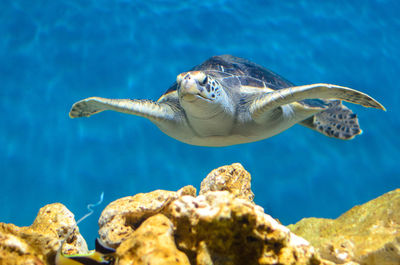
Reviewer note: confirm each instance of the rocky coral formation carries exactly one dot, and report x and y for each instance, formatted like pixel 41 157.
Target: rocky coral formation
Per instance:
pixel 152 243
pixel 38 243
pixel 221 226
pixel 121 217
pixel 233 178
pixel 217 228
pixel 368 234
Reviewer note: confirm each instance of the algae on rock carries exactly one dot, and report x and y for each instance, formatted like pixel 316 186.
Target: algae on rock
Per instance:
pixel 368 234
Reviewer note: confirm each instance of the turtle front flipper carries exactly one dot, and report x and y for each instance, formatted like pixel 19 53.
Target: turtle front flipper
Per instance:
pixel 267 103
pixel 144 108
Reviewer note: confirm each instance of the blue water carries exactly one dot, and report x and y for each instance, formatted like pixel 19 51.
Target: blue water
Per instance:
pixel 53 53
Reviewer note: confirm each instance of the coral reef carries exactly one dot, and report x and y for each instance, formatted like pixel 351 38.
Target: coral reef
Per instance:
pixel 152 243
pixel 217 228
pixel 368 234
pixel 121 217
pixel 220 226
pixel 233 178
pixel 38 243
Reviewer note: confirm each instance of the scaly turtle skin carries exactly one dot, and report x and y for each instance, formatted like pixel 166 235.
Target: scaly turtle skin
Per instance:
pixel 229 100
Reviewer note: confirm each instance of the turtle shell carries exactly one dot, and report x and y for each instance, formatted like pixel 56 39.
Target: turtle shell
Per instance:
pixel 240 67
pixel 248 73
pixel 228 65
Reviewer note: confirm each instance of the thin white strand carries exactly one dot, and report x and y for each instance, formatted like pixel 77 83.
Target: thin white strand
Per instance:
pixel 89 207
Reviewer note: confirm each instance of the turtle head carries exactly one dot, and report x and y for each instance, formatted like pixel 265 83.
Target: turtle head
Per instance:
pixel 201 95
pixel 197 85
pixel 208 107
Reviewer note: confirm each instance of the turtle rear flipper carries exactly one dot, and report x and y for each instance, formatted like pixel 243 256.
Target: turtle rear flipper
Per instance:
pixel 337 121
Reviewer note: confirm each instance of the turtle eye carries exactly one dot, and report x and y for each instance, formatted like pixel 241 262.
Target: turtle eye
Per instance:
pixel 205 80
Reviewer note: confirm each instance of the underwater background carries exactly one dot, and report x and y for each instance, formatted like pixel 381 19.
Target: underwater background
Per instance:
pixel 53 53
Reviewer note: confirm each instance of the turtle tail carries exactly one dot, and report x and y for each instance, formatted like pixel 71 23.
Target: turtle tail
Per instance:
pixel 336 121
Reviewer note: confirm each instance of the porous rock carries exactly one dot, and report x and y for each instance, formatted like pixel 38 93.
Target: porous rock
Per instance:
pixel 121 217
pixel 233 178
pixel 56 221
pixel 38 243
pixel 218 228
pixel 152 243
pixel 15 250
pixel 368 234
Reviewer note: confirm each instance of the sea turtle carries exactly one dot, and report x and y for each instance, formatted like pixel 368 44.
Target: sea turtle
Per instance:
pixel 228 100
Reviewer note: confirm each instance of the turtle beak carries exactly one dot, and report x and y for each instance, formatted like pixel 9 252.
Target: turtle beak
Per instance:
pixel 188 87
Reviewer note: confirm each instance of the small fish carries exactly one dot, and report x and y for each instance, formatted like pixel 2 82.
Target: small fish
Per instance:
pixel 102 255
